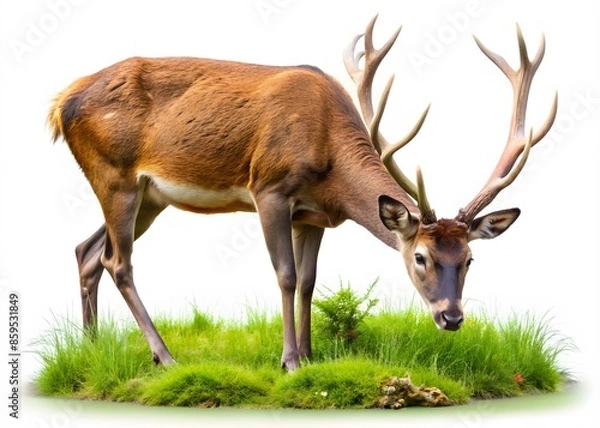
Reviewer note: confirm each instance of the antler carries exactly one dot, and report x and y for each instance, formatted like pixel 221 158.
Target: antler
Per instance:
pixel 518 144
pixel 363 78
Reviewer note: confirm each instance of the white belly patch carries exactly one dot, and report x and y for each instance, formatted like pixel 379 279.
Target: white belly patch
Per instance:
pixel 190 196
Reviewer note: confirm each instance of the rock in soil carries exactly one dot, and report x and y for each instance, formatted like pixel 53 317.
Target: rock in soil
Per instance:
pixel 400 392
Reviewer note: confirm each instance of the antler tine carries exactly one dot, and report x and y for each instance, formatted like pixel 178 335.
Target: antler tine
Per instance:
pixel 541 133
pixel 427 214
pixel 383 148
pixel 517 145
pixel 505 181
pixel 495 58
pixel 351 59
pixel 363 78
pixel 374 128
pixel 523 47
pixel 378 54
pixel 386 150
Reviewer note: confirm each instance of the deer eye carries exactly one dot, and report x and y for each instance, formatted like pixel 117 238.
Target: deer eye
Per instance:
pixel 469 261
pixel 419 259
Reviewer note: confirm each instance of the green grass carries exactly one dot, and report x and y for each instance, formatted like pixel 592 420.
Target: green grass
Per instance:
pixel 236 363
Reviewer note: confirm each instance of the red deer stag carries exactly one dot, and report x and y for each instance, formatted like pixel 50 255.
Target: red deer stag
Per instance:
pixel 213 136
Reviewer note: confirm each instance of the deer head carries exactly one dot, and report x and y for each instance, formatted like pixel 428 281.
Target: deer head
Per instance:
pixel 436 252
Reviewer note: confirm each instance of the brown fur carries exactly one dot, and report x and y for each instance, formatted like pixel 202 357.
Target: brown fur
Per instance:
pixel 220 124
pixel 445 234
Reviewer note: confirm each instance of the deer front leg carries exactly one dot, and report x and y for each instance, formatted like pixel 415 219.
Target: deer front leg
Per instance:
pixel 307 241
pixel 274 212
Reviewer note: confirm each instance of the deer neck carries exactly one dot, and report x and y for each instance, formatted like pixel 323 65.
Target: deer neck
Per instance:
pixel 361 184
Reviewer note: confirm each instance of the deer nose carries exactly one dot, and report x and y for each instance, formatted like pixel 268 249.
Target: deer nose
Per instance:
pixel 453 320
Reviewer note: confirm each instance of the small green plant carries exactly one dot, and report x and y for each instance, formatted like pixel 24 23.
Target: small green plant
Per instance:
pixel 340 313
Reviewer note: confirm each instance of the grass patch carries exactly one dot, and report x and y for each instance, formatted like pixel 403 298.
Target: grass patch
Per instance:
pixel 352 382
pixel 236 363
pixel 206 385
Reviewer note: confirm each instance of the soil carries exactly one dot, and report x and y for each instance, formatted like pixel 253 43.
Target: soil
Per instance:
pixel 400 392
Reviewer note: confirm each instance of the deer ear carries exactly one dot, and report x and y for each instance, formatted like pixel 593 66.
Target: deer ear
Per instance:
pixel 491 225
pixel 396 217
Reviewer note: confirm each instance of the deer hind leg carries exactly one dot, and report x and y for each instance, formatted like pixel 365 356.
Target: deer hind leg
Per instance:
pixel 121 209
pixel 90 271
pixel 307 241
pixel 88 255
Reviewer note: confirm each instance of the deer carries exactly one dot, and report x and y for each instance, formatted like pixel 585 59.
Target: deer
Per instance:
pixel 287 142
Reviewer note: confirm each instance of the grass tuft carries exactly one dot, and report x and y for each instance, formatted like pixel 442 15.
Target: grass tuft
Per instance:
pixel 75 365
pixel 206 385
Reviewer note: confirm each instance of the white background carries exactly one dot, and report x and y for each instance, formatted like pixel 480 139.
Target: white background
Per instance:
pixel 544 264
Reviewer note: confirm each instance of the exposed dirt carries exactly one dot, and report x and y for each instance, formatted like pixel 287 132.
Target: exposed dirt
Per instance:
pixel 400 392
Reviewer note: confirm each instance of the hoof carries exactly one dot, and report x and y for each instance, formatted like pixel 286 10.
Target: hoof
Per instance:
pixel 290 366
pixel 165 361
